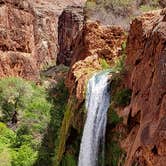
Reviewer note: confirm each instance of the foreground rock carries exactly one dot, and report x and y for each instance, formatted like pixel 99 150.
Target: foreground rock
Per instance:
pixel 146 62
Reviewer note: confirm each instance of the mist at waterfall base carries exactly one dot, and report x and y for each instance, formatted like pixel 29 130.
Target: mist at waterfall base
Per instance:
pixel 97 104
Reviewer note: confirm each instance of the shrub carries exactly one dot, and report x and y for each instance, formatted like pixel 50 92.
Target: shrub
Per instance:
pixel 104 64
pixel 116 153
pixel 24 156
pixel 5 157
pixel 90 4
pixel 122 97
pixel 7 137
pixel 113 117
pixel 119 3
pixel 69 160
pixel 119 62
pixel 15 93
pixel 28 100
pixel 147 8
pixel 33 115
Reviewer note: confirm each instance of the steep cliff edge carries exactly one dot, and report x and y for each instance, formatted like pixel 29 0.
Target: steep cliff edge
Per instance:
pixel 70 28
pixel 146 63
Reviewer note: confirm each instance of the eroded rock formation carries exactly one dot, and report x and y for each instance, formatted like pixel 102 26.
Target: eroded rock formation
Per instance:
pixel 28 35
pixel 146 63
pixel 144 123
pixel 98 43
pixel 70 27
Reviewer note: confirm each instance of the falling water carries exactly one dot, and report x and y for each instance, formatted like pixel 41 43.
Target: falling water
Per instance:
pixel 97 103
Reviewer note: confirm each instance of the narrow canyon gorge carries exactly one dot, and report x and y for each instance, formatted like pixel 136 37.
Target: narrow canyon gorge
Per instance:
pixel 82 83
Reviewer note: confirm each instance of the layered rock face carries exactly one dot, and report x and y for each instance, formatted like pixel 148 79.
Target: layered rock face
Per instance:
pixel 28 35
pixel 17 47
pixel 46 27
pixel 146 63
pixel 70 26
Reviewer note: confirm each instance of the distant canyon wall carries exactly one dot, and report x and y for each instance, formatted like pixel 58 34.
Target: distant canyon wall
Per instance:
pixel 29 35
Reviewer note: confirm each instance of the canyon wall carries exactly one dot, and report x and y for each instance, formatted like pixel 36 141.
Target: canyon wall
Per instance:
pixel 144 120
pixel 28 35
pixel 70 28
pixel 146 64
pixel 95 46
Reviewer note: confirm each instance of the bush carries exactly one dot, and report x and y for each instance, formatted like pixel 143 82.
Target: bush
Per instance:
pixel 5 157
pixel 7 137
pixel 33 116
pixel 24 156
pixel 69 160
pixel 119 3
pixel 147 8
pixel 122 97
pixel 116 153
pixel 28 100
pixel 113 117
pixel 15 94
pixel 119 62
pixel 104 64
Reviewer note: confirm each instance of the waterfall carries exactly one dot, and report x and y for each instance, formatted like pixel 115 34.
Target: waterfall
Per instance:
pixel 97 104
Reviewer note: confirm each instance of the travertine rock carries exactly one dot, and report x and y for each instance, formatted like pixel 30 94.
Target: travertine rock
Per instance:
pixel 95 43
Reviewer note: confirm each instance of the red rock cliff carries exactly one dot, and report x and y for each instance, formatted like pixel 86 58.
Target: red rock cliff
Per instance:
pixel 145 143
pixel 70 27
pixel 28 35
pixel 146 63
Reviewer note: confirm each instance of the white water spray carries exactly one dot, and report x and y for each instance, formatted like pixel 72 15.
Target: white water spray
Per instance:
pixel 97 104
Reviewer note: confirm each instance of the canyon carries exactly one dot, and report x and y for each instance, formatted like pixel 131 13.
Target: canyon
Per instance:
pixel 37 35
pixel 144 140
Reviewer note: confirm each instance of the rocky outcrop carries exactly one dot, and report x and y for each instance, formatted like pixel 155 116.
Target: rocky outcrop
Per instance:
pixel 146 64
pixel 28 35
pixel 144 118
pixel 99 44
pixel 82 45
pixel 46 28
pixel 70 27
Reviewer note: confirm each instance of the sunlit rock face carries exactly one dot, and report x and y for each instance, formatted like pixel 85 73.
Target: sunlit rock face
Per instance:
pixel 97 42
pixel 146 63
pixel 28 35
